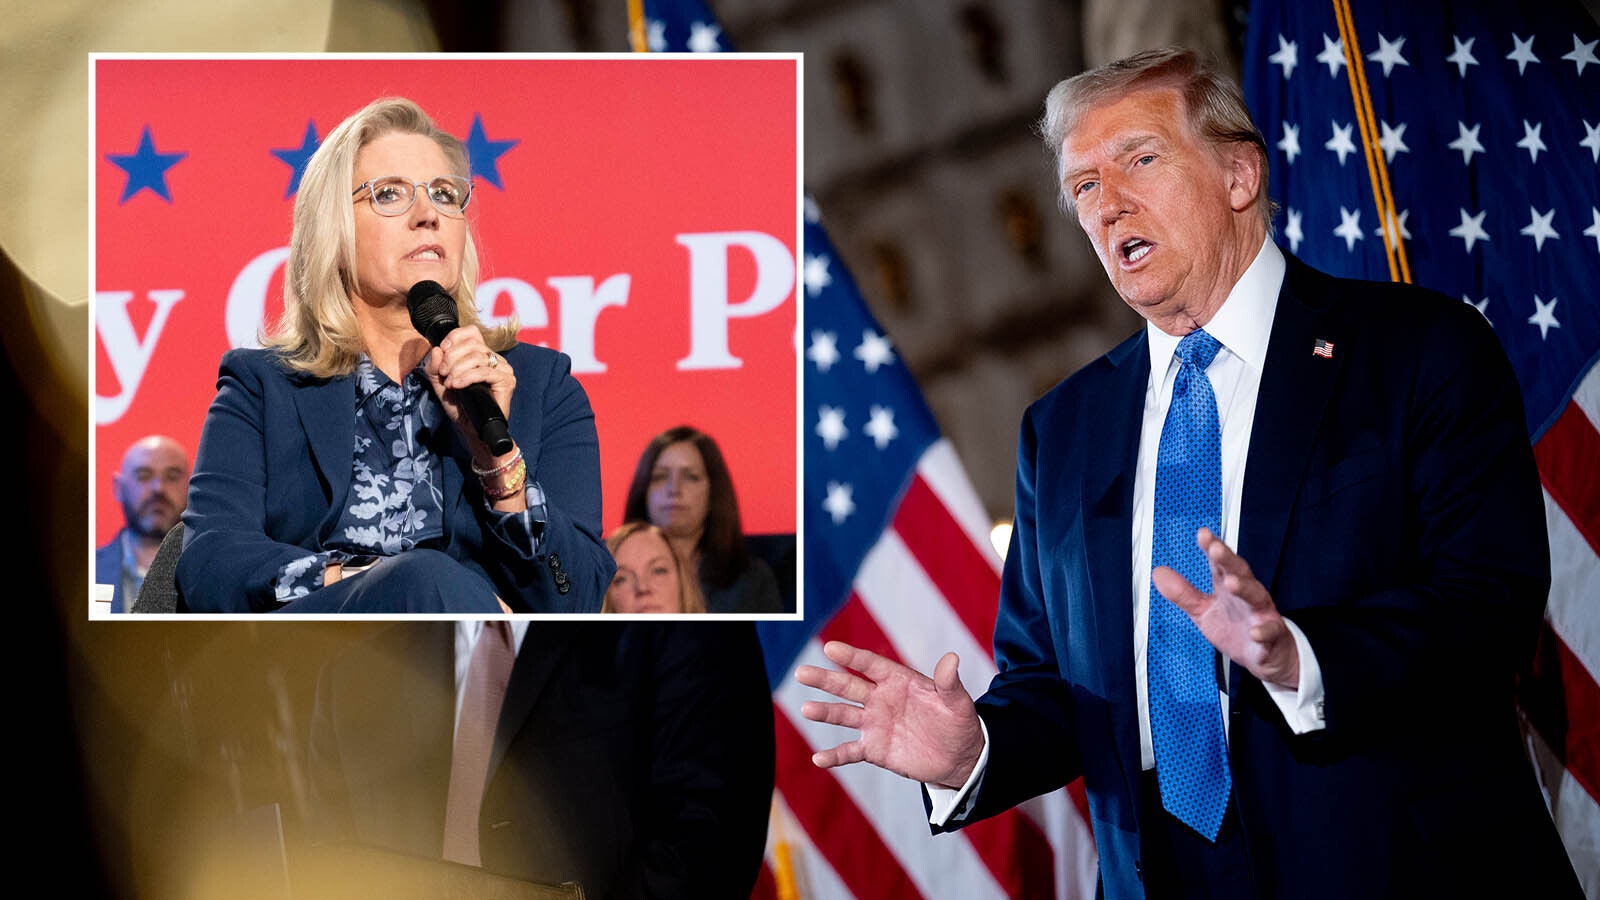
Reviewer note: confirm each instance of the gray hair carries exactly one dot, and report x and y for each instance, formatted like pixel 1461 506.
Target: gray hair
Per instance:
pixel 1215 106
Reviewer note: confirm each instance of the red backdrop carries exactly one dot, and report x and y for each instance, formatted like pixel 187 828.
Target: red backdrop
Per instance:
pixel 638 213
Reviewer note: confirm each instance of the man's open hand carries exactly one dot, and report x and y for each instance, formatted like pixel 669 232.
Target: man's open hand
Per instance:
pixel 1239 617
pixel 925 729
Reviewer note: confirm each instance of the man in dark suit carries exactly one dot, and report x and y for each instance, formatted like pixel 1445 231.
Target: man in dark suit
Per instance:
pixel 633 758
pixel 1333 718
pixel 152 487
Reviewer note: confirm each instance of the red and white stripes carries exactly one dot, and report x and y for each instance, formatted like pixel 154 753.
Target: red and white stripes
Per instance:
pixel 930 585
pixel 1569 663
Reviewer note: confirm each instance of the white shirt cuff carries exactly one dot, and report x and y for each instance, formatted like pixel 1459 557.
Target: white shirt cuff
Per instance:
pixel 947 802
pixel 1302 706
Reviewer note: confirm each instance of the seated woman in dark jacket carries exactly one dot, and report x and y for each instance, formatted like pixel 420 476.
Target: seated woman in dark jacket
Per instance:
pixel 337 469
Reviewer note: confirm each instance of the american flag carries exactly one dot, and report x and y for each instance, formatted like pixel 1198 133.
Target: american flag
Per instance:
pixel 1486 117
pixel 898 561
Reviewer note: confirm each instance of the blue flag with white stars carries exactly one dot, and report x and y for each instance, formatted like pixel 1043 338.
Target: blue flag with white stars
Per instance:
pixel 864 425
pixel 683 26
pixel 1488 119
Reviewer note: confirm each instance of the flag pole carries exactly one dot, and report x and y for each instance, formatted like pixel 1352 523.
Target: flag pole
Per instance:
pixel 1377 170
pixel 636 27
pixel 782 863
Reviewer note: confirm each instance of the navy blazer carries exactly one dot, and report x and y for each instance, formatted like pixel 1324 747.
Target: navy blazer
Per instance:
pixel 274 467
pixel 635 758
pixel 1392 508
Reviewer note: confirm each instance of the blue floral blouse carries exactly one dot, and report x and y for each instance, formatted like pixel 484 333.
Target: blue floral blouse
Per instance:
pixel 396 500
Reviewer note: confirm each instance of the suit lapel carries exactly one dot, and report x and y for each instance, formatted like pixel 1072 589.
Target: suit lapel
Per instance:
pixel 1108 522
pixel 1295 387
pixel 326 408
pixel 445 442
pixel 542 651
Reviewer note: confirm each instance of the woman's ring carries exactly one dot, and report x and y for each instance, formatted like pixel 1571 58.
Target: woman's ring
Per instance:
pixel 493 360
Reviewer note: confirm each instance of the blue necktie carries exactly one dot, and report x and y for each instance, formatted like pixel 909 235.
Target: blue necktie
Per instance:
pixel 1185 715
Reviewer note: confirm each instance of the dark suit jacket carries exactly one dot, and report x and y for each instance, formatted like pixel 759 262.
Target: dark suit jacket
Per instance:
pixel 274 467
pixel 108 570
pixel 1392 508
pixel 635 758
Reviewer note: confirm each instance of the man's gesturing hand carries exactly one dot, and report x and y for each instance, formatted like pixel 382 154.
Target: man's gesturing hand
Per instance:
pixel 1239 618
pixel 925 729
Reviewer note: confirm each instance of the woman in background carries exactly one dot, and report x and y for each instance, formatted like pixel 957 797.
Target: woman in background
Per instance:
pixel 649 577
pixel 682 486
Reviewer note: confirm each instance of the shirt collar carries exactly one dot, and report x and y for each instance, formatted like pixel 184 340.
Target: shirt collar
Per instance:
pixel 1244 322
pixel 469 630
pixel 370 380
pixel 130 554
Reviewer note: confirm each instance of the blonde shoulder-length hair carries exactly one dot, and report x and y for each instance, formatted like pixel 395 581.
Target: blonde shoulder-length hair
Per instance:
pixel 318 333
pixel 688 586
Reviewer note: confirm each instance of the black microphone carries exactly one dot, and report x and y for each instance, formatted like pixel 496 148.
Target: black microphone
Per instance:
pixel 433 315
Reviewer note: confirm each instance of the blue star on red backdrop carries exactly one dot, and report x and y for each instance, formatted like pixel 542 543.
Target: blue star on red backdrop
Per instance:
pixel 297 157
pixel 147 169
pixel 485 154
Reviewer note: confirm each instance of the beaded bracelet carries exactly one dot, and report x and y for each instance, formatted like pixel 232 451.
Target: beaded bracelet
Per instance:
pixel 513 482
pixel 505 467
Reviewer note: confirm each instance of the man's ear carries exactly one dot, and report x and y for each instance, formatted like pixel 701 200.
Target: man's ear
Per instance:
pixel 1244 165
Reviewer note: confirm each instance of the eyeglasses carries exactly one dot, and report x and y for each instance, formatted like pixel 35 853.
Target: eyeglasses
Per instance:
pixel 393 195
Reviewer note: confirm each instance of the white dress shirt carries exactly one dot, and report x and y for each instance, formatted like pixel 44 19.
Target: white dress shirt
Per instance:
pixel 467 631
pixel 1243 326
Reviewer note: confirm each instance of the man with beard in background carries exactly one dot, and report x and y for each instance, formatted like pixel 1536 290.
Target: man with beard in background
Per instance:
pixel 153 488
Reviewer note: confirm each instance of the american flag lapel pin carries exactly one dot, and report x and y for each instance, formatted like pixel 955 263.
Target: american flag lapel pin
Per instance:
pixel 1322 348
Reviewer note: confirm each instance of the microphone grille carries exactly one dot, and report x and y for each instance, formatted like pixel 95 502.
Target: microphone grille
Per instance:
pixel 433 311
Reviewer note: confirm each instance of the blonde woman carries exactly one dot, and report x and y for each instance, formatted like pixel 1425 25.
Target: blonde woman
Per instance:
pixel 337 471
pixel 649 578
